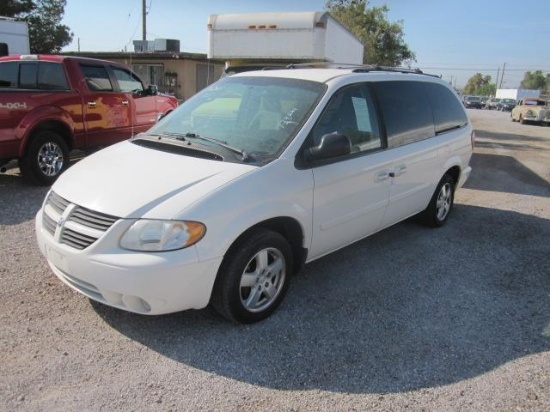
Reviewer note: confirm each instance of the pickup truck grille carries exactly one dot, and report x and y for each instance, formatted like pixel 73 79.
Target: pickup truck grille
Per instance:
pixel 73 225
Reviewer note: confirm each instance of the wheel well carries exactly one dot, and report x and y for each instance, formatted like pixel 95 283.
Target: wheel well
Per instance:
pixel 287 227
pixel 57 127
pixel 454 172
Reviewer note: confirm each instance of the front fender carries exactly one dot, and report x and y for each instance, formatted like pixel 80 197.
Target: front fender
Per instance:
pixel 274 191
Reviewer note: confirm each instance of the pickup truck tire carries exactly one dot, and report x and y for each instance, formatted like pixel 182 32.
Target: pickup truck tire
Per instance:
pixel 254 277
pixel 46 157
pixel 441 203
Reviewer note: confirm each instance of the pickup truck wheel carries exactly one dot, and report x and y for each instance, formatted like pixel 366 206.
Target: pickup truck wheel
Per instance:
pixel 254 277
pixel 46 157
pixel 441 203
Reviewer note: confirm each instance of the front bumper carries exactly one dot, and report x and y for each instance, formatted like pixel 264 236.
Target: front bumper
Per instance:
pixel 144 283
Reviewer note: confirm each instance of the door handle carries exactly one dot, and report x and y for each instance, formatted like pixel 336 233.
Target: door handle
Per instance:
pixel 399 170
pixel 381 176
pixel 92 104
pixel 125 102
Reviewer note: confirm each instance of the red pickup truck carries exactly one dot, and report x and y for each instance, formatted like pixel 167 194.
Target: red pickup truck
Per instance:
pixel 50 105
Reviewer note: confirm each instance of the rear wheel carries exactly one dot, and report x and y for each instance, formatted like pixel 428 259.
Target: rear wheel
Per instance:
pixel 46 157
pixel 441 204
pixel 254 277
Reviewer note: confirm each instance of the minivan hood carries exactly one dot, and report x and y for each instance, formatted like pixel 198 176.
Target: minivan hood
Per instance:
pixel 127 180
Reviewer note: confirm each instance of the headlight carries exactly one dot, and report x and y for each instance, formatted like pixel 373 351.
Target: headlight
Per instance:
pixel 162 235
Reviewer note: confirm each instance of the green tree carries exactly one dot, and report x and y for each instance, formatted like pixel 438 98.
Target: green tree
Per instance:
pixel 383 40
pixel 46 33
pixel 536 81
pixel 489 89
pixel 13 8
pixel 480 85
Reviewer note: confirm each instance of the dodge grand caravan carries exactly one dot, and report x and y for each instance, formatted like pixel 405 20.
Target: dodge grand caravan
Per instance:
pixel 226 198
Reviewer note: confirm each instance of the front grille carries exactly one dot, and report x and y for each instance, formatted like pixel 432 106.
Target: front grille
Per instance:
pixel 73 225
pixel 76 240
pixel 93 219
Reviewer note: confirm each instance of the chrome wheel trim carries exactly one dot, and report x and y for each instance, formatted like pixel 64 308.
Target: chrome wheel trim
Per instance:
pixel 262 280
pixel 443 204
pixel 50 159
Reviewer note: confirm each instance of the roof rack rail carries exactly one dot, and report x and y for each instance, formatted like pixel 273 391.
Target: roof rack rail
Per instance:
pixel 314 64
pixel 377 68
pixel 363 68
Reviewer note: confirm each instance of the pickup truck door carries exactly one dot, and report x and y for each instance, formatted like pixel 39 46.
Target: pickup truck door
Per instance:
pixel 144 105
pixel 107 112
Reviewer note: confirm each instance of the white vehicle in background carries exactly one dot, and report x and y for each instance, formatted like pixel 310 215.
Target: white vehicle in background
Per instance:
pixel 532 110
pixel 14 36
pixel 274 39
pixel 226 198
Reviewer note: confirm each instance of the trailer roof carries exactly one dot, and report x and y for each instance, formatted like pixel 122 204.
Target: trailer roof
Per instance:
pixel 269 20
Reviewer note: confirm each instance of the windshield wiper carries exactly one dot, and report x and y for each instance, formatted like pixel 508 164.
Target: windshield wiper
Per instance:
pixel 219 142
pixel 159 136
pixel 184 137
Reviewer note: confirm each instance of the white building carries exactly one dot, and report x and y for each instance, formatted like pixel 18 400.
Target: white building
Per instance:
pixel 516 93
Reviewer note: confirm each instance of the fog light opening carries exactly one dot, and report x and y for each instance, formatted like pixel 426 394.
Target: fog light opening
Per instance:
pixel 136 304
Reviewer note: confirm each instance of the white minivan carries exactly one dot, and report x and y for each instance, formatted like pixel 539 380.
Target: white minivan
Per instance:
pixel 227 197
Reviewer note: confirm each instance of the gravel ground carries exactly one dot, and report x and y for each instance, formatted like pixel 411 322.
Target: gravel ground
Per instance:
pixel 454 319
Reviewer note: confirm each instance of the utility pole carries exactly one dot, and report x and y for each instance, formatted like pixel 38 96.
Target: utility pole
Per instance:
pixel 496 82
pixel 143 21
pixel 502 77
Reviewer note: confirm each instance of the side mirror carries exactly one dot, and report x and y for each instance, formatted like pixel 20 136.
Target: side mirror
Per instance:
pixel 332 145
pixel 152 90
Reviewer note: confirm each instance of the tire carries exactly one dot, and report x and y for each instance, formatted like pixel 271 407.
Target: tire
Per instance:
pixel 440 206
pixel 46 157
pixel 521 119
pixel 253 278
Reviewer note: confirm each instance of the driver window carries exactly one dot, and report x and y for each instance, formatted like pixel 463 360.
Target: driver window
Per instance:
pixel 127 82
pixel 350 112
pixel 97 78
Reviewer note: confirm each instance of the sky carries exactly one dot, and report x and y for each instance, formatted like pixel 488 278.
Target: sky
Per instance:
pixel 452 38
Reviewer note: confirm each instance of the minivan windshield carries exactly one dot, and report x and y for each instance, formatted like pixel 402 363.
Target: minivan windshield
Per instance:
pixel 254 116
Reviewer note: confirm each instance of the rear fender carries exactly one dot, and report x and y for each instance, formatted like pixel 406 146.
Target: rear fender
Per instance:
pixel 43 117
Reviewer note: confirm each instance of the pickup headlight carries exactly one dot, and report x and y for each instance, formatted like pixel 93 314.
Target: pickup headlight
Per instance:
pixel 161 235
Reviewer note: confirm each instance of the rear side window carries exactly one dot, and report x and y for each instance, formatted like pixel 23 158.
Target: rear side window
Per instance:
pixel 406 111
pixel 8 74
pixel 447 110
pixel 97 78
pixel 51 76
pixel 28 73
pixel 34 75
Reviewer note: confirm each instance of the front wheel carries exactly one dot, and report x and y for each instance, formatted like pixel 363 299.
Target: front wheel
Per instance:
pixel 441 203
pixel 254 277
pixel 46 157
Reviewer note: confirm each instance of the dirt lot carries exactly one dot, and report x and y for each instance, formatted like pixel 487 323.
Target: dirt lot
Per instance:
pixel 412 318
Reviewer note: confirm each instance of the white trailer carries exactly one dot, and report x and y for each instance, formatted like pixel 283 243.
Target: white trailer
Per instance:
pixel 290 37
pixel 516 93
pixel 15 34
